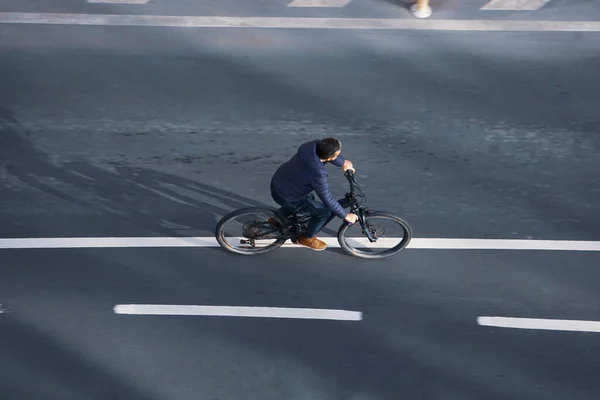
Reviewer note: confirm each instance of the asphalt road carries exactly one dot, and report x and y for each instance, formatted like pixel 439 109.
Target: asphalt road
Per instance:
pixel 120 131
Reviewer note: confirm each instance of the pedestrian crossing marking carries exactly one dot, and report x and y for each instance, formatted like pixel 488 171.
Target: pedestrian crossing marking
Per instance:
pixel 319 3
pixel 119 1
pixel 514 5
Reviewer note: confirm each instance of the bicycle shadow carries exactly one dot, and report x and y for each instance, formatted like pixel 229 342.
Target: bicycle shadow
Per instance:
pixel 149 199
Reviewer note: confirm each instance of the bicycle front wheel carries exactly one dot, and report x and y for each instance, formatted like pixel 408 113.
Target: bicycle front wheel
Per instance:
pixel 392 233
pixel 250 231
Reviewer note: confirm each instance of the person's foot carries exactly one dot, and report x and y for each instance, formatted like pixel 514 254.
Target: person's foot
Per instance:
pixel 312 242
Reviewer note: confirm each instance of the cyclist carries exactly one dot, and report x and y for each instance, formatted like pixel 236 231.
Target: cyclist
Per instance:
pixel 295 180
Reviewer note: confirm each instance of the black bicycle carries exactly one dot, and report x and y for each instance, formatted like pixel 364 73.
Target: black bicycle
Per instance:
pixel 258 230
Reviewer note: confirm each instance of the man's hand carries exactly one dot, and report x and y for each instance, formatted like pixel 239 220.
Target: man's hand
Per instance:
pixel 348 166
pixel 351 218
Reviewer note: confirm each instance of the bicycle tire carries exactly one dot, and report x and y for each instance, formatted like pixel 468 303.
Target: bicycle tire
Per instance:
pixel 221 225
pixel 376 214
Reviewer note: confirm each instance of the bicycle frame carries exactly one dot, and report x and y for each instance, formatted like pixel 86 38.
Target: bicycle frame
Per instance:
pixel 357 208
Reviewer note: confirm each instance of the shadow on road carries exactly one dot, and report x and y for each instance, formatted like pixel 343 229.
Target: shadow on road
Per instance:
pixel 58 370
pixel 146 198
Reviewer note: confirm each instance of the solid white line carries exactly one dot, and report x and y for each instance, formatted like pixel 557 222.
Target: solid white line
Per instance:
pixel 296 23
pixel 108 242
pixel 542 324
pixel 505 244
pixel 416 243
pixel 514 5
pixel 319 3
pixel 230 311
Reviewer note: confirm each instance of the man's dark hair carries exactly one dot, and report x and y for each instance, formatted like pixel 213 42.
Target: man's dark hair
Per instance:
pixel 328 147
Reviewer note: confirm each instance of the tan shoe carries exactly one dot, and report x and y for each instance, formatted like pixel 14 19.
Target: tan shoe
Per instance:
pixel 312 242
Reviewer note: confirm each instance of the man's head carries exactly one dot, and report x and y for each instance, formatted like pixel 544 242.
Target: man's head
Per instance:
pixel 328 149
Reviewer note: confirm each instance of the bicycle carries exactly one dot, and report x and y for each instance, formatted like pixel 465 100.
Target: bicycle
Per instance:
pixel 270 224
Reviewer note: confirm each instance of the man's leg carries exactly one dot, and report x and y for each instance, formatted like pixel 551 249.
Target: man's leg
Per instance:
pixel 285 209
pixel 320 215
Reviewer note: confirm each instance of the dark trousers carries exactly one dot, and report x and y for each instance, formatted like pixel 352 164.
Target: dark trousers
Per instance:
pixel 319 213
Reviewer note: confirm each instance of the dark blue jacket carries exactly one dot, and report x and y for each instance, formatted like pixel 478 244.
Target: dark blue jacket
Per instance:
pixel 302 174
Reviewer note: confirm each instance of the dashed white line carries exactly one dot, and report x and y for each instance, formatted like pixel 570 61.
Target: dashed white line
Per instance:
pixel 235 311
pixel 208 241
pixel 541 324
pixel 298 23
pixel 514 5
pixel 319 3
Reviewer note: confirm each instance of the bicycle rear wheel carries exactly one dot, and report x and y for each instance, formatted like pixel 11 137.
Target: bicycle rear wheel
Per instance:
pixel 250 231
pixel 392 233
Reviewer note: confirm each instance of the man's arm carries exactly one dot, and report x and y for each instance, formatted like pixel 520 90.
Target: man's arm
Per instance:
pixel 339 161
pixel 321 187
pixel 343 163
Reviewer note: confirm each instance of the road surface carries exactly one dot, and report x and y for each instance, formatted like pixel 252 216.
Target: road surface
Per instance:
pixel 123 131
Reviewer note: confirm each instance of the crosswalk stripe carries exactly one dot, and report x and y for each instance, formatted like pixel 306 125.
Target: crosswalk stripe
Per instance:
pixel 119 1
pixel 514 5
pixel 319 3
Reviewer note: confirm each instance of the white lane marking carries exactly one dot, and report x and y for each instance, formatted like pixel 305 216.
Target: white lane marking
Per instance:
pixel 101 242
pixel 319 3
pixel 296 23
pixel 505 244
pixel 416 243
pixel 231 311
pixel 119 1
pixel 514 5
pixel 542 324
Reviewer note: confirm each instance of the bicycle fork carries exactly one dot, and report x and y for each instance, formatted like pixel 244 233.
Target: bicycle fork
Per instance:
pixel 363 224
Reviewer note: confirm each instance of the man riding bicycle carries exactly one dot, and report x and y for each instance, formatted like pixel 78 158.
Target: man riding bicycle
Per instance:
pixel 293 183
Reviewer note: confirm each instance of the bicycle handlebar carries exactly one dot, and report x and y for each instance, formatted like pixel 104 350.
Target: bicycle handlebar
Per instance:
pixel 350 176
